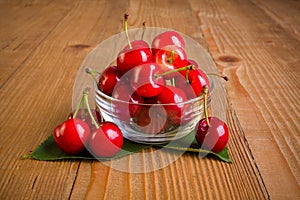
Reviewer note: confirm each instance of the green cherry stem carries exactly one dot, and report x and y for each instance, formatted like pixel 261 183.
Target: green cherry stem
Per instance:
pixel 188 67
pixel 93 73
pixel 79 105
pixel 86 100
pixel 126 29
pixel 171 59
pixel 205 92
pixel 187 76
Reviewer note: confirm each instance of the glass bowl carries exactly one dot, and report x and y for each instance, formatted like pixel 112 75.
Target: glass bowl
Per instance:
pixel 152 123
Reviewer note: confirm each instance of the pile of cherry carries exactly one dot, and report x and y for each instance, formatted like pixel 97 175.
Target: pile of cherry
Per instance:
pixel 161 74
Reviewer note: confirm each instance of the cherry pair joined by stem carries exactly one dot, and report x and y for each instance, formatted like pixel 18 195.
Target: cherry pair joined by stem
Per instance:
pixel 73 135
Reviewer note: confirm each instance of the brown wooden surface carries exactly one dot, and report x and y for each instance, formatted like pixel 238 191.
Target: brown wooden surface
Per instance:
pixel 255 43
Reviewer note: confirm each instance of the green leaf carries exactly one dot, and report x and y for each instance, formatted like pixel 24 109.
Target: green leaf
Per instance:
pixel 48 150
pixel 189 144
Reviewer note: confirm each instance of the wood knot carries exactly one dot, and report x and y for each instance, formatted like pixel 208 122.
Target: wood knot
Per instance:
pixel 228 60
pixel 79 46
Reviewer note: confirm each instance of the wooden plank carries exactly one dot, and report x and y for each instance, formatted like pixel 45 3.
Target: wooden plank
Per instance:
pixel 260 58
pixel 38 97
pixel 285 13
pixel 189 177
pixel 32 22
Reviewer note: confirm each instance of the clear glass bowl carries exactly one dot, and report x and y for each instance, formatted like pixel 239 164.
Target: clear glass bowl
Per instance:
pixel 152 123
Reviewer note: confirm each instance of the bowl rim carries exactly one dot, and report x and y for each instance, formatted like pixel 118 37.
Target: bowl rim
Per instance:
pixel 112 99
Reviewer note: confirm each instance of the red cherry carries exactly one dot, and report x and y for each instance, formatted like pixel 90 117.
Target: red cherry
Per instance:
pixel 83 115
pixel 135 53
pixel 196 79
pixel 151 119
pixel 71 136
pixel 137 44
pixel 106 141
pixel 130 100
pixel 213 137
pixel 165 39
pixel 129 58
pixel 108 79
pixel 144 81
pixel 174 96
pixel 169 58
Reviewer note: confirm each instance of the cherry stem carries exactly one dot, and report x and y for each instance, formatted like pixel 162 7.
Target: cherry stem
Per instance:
pixel 173 82
pixel 218 75
pixel 79 105
pixel 93 73
pixel 126 29
pixel 205 92
pixel 187 76
pixel 85 97
pixel 170 60
pixel 144 29
pixel 188 67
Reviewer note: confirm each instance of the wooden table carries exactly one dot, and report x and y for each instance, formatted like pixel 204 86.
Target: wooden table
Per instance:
pixel 255 43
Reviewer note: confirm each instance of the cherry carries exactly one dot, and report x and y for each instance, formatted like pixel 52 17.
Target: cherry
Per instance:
pixel 128 106
pixel 108 79
pixel 175 97
pixel 214 136
pixel 71 136
pixel 144 81
pixel 165 39
pixel 196 79
pixel 135 53
pixel 169 58
pixel 212 133
pixel 151 119
pixel 137 44
pixel 181 83
pixel 106 141
pixel 128 59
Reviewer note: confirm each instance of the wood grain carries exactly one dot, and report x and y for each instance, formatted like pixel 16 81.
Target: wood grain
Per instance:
pixel 37 97
pixel 255 43
pixel 20 38
pixel 262 61
pixel 285 13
